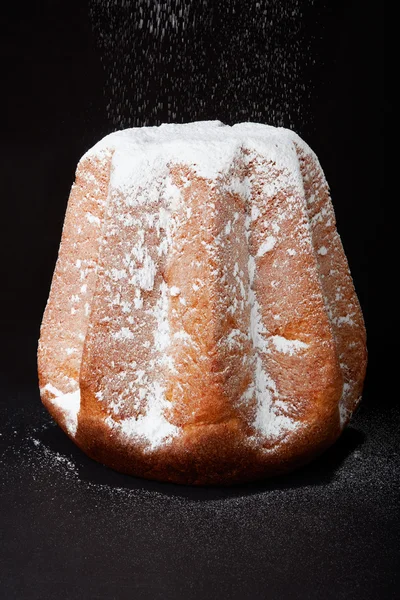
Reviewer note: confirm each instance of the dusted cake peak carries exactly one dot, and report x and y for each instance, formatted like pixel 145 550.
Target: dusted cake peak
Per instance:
pixel 202 324
pixel 208 146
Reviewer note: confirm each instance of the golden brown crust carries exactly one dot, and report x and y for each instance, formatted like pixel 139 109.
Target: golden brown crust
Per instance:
pixel 66 317
pixel 342 304
pixel 222 265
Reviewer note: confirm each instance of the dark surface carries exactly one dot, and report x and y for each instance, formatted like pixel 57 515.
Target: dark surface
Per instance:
pixel 74 529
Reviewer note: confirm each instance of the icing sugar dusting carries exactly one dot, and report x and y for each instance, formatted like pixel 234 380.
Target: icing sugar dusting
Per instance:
pixel 268 422
pixel 142 157
pixel 286 346
pixel 267 245
pixel 207 147
pixel 144 164
pixel 68 403
pixel 174 291
pixel 150 202
pixel 161 332
pixel 152 426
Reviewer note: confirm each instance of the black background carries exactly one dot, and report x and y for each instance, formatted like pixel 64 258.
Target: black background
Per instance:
pixel 329 530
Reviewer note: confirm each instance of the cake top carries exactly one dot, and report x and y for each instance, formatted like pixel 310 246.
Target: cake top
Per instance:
pixel 208 146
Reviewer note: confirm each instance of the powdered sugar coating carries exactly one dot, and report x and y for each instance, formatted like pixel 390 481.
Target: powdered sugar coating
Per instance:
pixel 208 301
pixel 142 156
pixel 69 405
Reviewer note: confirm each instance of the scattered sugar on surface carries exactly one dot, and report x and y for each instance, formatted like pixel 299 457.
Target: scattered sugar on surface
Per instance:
pixel 39 458
pixel 51 493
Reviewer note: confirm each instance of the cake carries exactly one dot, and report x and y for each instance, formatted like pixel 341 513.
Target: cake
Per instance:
pixel 202 325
